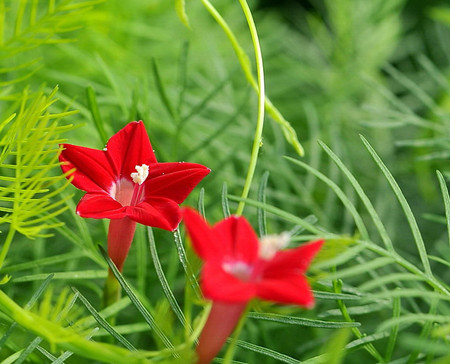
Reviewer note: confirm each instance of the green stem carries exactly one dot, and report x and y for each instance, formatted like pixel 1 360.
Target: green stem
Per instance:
pixel 288 131
pixel 257 140
pixel 111 290
pixel 7 245
pixel 337 285
pixel 66 338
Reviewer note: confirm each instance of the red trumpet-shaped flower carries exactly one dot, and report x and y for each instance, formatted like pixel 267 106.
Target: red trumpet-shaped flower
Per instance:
pixel 125 183
pixel 238 267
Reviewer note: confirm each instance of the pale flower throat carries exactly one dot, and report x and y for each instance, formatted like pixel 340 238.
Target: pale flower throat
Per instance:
pixel 141 175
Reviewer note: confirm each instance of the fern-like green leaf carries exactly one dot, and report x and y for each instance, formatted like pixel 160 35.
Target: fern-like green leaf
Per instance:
pixel 26 25
pixel 30 180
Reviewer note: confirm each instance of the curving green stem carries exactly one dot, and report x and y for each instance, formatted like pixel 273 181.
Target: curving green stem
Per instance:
pixel 288 131
pixel 257 140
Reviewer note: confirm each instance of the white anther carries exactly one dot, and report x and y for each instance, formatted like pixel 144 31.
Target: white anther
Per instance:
pixel 141 175
pixel 270 244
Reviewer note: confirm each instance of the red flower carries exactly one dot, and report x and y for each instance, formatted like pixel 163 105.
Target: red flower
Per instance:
pixel 238 267
pixel 107 177
pixel 125 183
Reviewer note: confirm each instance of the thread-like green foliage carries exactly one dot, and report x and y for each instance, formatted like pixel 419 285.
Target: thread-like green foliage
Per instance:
pixel 29 186
pixel 26 25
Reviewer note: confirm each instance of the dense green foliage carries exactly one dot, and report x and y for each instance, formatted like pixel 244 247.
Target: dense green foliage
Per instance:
pixel 362 87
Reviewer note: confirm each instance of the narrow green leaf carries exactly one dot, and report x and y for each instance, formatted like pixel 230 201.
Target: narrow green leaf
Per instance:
pixel 20 16
pixel 425 333
pixel 109 311
pixel 95 112
pixel 405 206
pixel 389 278
pixel 435 347
pixel 412 87
pixel 286 216
pixel 44 261
pixel 409 292
pixel 75 275
pixel 203 144
pixel 162 278
pixel 261 213
pixel 335 348
pixel 28 350
pixel 396 312
pixel 180 7
pixel 367 340
pixel 282 358
pixel 12 358
pixel 162 91
pixel 103 323
pixel 201 203
pixel 300 321
pixel 339 193
pixel 335 296
pixel 224 199
pixel 2 23
pixel 115 84
pixel 372 212
pixel 361 269
pixel 197 109
pixel 446 197
pixel 136 302
pixel 440 260
pixel 182 76
pixel 185 263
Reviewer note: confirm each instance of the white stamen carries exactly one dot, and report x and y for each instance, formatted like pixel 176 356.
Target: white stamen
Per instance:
pixel 141 175
pixel 270 244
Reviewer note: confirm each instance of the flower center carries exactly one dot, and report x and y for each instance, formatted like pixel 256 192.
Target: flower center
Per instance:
pixel 141 175
pixel 240 270
pixel 270 244
pixel 139 178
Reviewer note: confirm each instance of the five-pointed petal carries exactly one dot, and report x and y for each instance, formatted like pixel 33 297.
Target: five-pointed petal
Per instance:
pixel 111 191
pixel 234 271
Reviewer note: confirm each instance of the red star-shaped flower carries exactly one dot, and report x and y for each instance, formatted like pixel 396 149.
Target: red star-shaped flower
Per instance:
pixel 239 267
pixel 125 179
pixel 125 183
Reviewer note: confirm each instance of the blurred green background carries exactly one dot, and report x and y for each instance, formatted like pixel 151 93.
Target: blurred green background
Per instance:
pixel 335 69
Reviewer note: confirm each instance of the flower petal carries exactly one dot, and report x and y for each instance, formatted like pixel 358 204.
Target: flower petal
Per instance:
pixel 128 148
pixel 200 233
pixel 219 285
pixel 93 171
pixel 294 260
pixel 174 180
pixel 99 206
pixel 293 289
pixel 157 212
pixel 237 239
